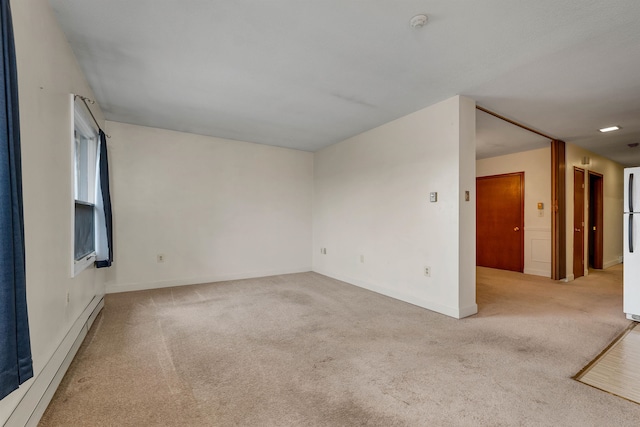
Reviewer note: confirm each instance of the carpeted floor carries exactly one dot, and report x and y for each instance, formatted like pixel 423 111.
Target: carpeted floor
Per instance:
pixel 306 350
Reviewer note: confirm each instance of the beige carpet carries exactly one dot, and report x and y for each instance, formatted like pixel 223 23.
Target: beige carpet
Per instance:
pixel 306 350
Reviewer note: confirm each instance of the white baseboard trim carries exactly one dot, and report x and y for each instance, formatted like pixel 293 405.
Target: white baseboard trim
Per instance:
pixel 143 286
pixel 569 278
pixel 536 272
pixel 467 311
pixel 37 398
pixel 455 312
pixel 611 262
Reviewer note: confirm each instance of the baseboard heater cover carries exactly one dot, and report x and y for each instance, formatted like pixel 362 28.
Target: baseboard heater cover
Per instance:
pixel 35 401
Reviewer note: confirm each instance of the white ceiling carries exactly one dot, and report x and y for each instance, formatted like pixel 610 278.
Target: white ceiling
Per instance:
pixel 495 137
pixel 307 74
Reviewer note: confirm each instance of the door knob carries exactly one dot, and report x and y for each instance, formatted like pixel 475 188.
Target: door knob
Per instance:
pixel 576 229
pixel 516 228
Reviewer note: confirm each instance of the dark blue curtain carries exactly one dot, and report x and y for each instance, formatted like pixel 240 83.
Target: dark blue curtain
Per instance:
pixel 105 255
pixel 15 347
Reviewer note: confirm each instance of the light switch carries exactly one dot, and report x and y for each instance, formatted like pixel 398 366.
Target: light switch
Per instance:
pixel 466 196
pixel 540 206
pixel 433 197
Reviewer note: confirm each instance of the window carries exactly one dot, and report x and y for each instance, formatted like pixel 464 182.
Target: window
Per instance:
pixel 85 147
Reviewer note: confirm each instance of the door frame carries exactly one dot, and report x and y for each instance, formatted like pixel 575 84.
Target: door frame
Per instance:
pixel 596 243
pixel 558 210
pixel 521 175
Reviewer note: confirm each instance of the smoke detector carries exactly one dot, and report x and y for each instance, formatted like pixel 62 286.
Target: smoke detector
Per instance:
pixel 418 21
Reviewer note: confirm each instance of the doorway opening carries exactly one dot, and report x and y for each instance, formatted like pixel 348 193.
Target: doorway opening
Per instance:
pixel 505 146
pixel 596 220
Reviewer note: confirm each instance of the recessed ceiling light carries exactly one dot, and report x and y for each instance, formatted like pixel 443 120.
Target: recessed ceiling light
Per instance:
pixel 610 129
pixel 418 21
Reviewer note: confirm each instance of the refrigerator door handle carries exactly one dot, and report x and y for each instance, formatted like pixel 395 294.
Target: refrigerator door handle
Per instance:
pixel 630 233
pixel 630 192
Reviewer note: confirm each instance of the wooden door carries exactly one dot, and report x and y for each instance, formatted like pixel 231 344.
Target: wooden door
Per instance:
pixel 578 222
pixel 500 221
pixel 596 220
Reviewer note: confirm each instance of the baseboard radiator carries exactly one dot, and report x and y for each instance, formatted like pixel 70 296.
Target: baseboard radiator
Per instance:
pixel 37 398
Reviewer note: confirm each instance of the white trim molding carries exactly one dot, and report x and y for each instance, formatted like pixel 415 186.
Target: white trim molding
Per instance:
pixel 455 312
pixel 612 262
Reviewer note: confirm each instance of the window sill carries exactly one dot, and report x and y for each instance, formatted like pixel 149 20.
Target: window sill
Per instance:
pixel 82 264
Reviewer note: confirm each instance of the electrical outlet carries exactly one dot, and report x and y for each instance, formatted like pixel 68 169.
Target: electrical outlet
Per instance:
pixel 160 258
pixel 427 271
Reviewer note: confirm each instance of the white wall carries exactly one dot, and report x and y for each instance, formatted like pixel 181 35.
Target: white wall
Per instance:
pixel 216 209
pixel 613 179
pixel 47 74
pixel 371 200
pixel 536 165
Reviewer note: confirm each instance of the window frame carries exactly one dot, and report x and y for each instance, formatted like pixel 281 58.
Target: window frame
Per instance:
pixel 82 123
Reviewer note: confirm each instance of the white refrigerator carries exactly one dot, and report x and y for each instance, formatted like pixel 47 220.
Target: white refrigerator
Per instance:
pixel 631 298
